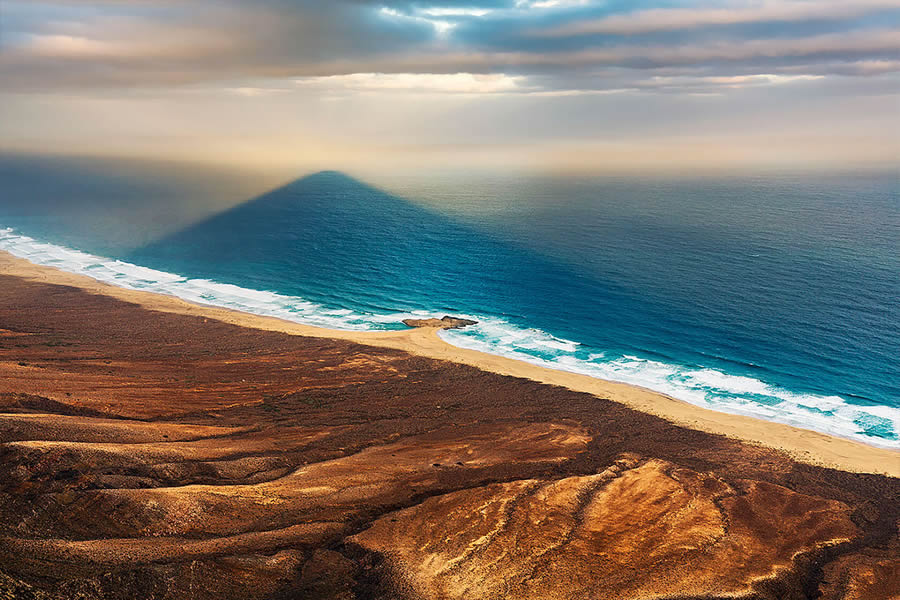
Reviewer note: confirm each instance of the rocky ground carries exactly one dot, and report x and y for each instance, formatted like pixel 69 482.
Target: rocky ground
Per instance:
pixel 152 455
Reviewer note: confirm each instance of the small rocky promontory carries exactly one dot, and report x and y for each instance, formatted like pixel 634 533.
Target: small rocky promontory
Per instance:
pixel 445 322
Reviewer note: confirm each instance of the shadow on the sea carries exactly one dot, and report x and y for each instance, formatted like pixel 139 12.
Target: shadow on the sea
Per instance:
pixel 110 206
pixel 332 238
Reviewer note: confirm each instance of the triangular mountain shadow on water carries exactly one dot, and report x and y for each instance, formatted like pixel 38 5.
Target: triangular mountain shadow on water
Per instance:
pixel 316 211
pixel 337 241
pixel 335 237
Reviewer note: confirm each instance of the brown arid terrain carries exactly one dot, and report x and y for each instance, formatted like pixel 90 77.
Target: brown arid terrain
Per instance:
pixel 150 454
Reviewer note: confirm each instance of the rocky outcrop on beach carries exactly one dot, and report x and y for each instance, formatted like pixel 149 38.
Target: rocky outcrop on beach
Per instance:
pixel 445 322
pixel 153 455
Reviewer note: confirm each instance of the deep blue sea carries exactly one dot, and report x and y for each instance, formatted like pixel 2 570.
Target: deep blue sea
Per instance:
pixel 775 296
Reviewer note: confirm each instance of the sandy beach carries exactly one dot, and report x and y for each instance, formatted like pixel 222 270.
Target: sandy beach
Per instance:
pixel 152 448
pixel 802 444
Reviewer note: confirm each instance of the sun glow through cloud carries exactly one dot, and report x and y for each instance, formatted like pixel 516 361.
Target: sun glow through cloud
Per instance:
pixel 451 83
pixel 821 76
pixel 440 27
pixel 455 12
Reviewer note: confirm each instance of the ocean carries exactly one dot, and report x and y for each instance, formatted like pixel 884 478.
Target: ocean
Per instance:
pixel 775 296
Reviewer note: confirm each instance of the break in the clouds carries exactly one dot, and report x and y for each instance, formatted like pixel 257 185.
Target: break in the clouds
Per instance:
pixel 592 81
pixel 568 45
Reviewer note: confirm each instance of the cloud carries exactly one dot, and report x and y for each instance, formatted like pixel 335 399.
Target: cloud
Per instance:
pixel 732 13
pixel 169 43
pixel 438 11
pixel 627 55
pixel 441 83
pixel 255 92
pixel 450 46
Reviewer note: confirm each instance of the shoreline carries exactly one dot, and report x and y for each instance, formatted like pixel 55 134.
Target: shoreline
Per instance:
pixel 803 445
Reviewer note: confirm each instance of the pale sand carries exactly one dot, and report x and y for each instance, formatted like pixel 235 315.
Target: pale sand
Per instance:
pixel 803 445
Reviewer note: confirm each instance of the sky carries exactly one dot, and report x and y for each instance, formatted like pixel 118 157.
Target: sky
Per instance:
pixel 556 84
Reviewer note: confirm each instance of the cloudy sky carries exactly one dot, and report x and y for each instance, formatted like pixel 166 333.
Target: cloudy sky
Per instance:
pixel 581 84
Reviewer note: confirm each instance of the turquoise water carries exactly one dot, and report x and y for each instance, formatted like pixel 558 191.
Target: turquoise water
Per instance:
pixel 777 296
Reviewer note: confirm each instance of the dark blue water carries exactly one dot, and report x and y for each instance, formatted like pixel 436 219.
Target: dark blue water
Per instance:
pixel 777 297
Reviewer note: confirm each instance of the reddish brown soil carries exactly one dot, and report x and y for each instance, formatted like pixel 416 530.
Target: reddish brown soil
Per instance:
pixel 153 455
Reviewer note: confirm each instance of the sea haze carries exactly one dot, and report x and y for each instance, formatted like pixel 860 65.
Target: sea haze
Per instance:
pixel 775 296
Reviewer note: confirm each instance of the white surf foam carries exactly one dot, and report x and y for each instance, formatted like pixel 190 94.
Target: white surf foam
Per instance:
pixel 704 387
pixel 701 386
pixel 202 291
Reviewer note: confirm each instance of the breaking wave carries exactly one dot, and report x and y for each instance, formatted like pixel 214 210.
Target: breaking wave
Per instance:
pixel 873 424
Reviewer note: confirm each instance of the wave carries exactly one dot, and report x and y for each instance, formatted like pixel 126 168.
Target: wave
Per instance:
pixel 873 424
pixel 876 425
pixel 200 291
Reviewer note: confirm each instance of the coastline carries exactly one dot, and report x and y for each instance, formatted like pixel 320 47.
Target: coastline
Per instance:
pixel 803 445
